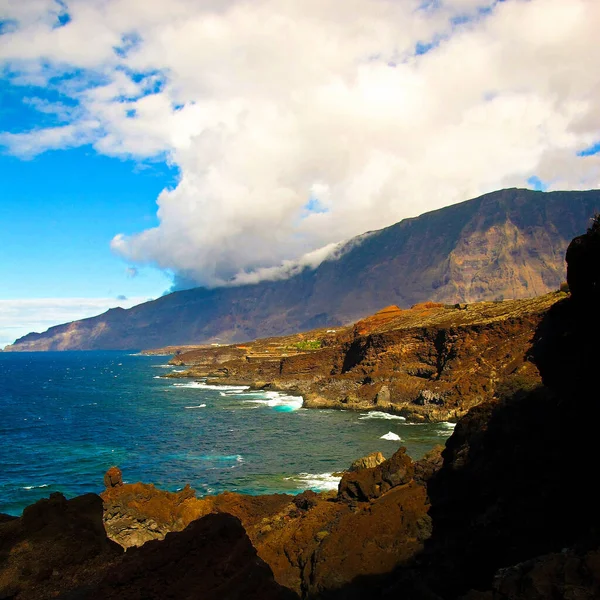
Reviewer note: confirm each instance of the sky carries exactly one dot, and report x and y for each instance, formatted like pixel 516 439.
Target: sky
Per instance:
pixel 149 145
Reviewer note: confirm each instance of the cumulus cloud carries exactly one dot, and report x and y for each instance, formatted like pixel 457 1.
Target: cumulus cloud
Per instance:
pixel 132 272
pixel 298 124
pixel 18 317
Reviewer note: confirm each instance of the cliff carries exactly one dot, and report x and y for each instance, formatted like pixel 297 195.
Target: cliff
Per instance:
pixel 507 244
pixel 431 362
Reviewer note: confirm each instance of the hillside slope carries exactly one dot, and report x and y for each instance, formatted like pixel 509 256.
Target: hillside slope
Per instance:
pixel 506 244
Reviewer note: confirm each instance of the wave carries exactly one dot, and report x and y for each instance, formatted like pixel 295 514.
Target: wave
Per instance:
pixel 391 436
pixel 223 458
pixel 199 406
pixel 318 482
pixel 377 414
pixel 35 487
pixel 206 386
pixel 279 401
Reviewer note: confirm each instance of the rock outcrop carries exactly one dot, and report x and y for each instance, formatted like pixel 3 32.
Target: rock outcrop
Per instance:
pixel 369 483
pixel 57 544
pixel 506 244
pixel 136 513
pixel 312 542
pixel 59 549
pixel 212 559
pixel 367 462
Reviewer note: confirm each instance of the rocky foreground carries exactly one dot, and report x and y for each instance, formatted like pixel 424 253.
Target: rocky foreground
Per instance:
pixel 508 512
pixel 433 362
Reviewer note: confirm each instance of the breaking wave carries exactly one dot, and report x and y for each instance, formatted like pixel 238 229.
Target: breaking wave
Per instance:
pixel 318 482
pixel 391 436
pixel 377 414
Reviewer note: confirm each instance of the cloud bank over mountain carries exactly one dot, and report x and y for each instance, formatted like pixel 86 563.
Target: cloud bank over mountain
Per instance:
pixel 297 124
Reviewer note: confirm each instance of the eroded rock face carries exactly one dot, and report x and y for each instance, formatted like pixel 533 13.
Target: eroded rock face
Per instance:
pixel 137 513
pixel 431 362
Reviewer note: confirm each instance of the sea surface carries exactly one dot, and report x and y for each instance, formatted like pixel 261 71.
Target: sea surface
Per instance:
pixel 66 417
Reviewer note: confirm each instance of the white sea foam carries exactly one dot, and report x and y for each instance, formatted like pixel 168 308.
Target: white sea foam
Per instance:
pixel 279 401
pixel 205 386
pixel 199 406
pixel 377 414
pixel 391 436
pixel 223 458
pixel 448 425
pixel 35 487
pixel 316 481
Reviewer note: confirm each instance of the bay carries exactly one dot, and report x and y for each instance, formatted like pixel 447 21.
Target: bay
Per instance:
pixel 66 417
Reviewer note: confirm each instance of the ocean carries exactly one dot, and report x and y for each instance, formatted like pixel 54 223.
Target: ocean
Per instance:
pixel 66 417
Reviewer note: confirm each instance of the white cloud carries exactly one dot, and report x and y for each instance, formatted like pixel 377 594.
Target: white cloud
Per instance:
pixel 270 107
pixel 19 317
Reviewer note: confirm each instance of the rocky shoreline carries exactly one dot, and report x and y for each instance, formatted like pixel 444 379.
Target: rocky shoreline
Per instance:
pixel 430 363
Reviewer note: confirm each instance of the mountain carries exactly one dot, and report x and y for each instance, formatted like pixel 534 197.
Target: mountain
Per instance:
pixel 506 244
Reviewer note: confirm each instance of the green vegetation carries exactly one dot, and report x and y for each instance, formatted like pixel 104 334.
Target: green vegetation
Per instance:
pixel 308 345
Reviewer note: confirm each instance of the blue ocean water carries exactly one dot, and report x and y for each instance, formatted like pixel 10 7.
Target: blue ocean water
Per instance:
pixel 66 417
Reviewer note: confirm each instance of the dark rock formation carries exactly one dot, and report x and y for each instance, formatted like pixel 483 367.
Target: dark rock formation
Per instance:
pixel 507 244
pixel 57 544
pixel 212 559
pixel 508 506
pixel 59 548
pixel 370 483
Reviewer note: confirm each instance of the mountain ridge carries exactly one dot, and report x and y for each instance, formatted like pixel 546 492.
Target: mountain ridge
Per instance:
pixel 505 244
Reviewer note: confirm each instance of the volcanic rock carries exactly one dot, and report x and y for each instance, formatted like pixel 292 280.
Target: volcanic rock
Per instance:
pixel 212 559
pixel 56 545
pixel 113 477
pixel 367 462
pixel 370 483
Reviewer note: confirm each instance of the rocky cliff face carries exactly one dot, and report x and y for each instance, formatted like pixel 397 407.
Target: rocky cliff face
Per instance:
pixel 432 362
pixel 507 244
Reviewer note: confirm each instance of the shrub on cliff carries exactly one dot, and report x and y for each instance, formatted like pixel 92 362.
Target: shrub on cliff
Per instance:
pixel 308 345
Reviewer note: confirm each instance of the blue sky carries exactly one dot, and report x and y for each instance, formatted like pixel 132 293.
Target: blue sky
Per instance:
pixel 287 128
pixel 58 213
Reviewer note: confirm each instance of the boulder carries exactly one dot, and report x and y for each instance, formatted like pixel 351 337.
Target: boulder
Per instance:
pixel 367 462
pixel 370 483
pixel 113 477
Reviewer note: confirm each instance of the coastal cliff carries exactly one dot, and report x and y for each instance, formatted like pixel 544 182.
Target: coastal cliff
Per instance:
pixel 506 244
pixel 432 362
